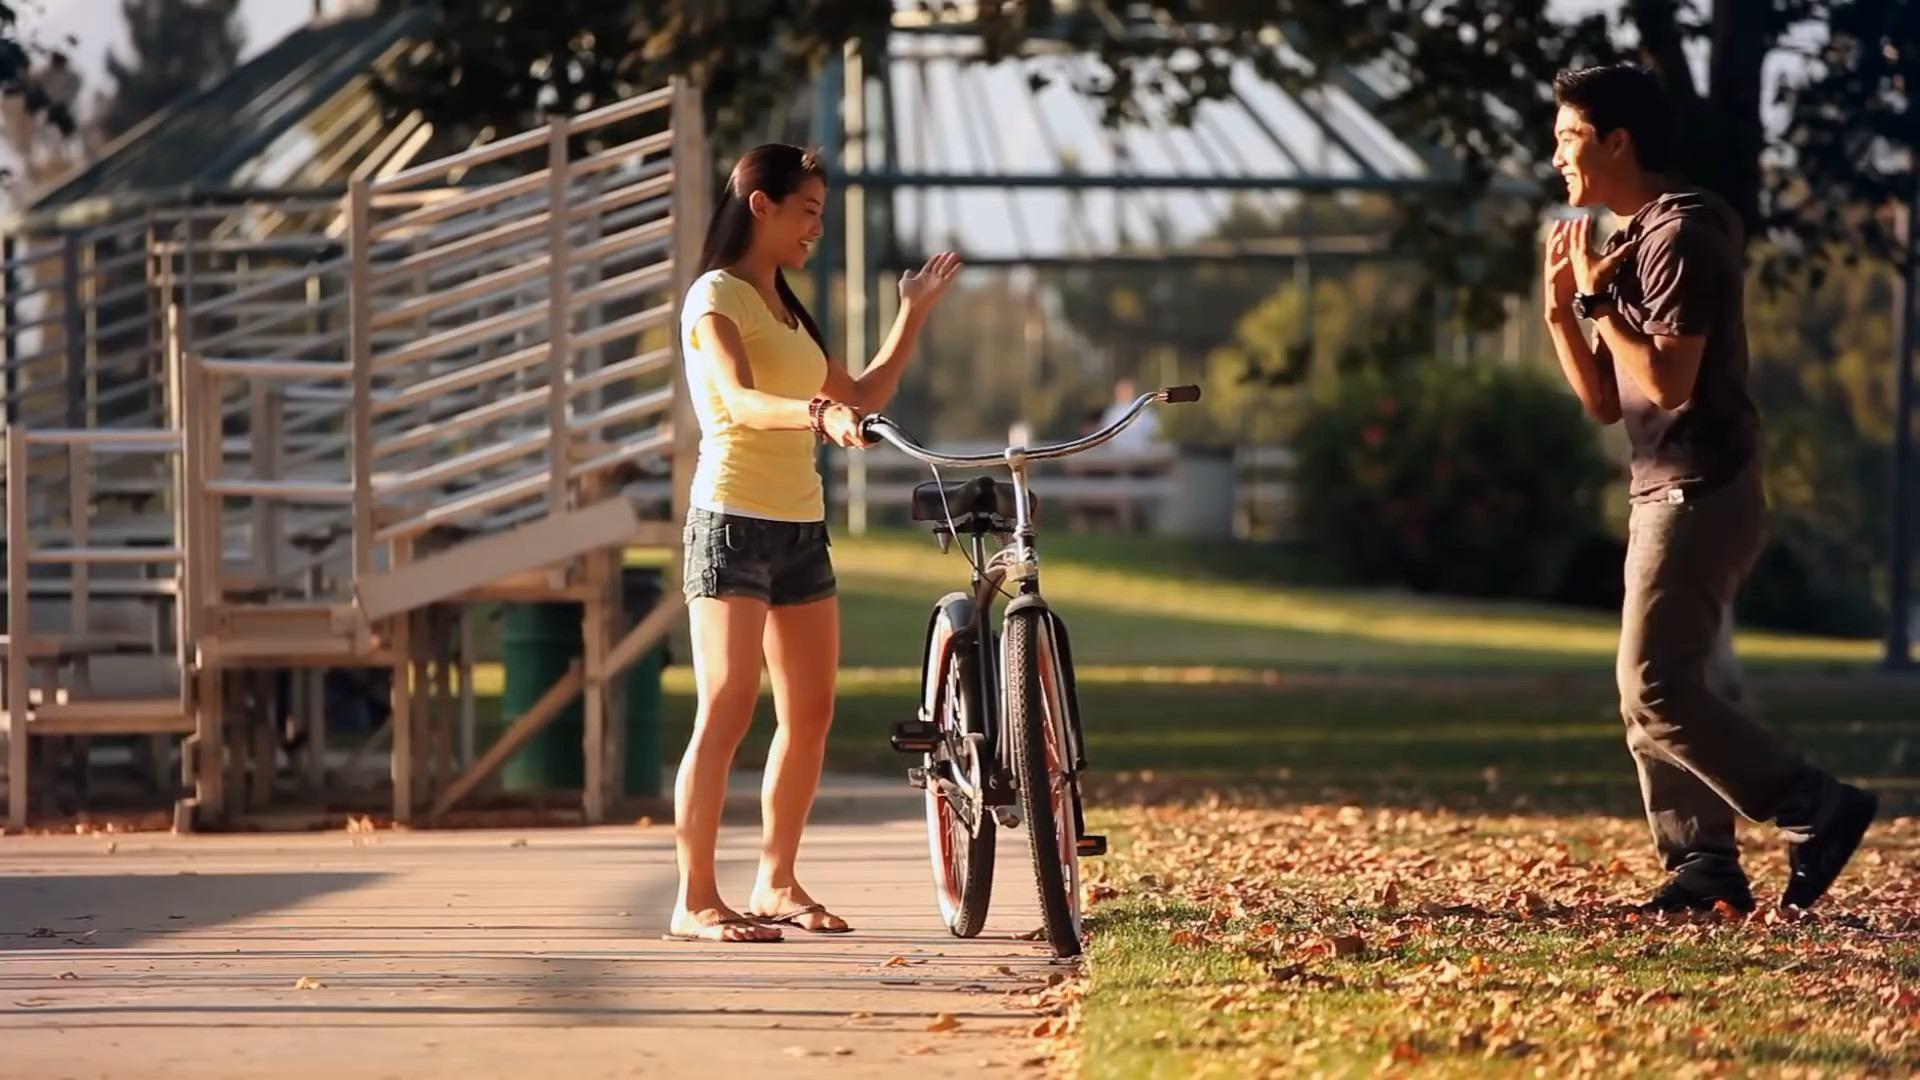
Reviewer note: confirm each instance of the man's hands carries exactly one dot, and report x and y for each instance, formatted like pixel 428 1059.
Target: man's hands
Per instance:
pixel 1572 266
pixel 1559 281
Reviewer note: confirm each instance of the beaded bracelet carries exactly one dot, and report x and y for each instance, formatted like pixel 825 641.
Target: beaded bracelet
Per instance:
pixel 817 416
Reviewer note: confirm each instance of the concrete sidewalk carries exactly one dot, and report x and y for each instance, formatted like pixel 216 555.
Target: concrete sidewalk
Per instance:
pixel 499 953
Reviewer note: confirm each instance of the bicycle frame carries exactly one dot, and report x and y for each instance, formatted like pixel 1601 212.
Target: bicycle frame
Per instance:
pixel 1022 745
pixel 990 574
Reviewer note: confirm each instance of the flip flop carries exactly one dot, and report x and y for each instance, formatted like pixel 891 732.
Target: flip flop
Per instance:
pixel 792 918
pixel 739 921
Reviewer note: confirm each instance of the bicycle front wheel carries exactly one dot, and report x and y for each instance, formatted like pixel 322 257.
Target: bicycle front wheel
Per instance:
pixel 1037 716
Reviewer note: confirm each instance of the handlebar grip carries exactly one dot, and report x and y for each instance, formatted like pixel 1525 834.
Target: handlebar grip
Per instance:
pixel 1180 395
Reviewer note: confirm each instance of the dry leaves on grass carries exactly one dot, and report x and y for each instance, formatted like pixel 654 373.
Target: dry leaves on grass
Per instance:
pixel 1502 937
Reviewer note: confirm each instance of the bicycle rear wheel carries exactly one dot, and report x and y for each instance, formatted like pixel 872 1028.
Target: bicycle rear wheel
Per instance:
pixel 960 830
pixel 1037 716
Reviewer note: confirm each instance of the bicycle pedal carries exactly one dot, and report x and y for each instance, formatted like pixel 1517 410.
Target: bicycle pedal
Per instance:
pixel 914 737
pixel 1007 816
pixel 917 776
pixel 1091 846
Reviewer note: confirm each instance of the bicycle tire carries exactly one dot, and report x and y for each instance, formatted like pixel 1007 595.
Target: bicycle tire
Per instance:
pixel 962 856
pixel 1041 770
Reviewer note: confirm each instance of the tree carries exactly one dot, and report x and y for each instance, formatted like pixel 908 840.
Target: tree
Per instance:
pixel 178 46
pixel 1469 80
pixel 35 102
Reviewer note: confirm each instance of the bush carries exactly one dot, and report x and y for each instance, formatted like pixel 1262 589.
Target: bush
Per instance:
pixel 1481 481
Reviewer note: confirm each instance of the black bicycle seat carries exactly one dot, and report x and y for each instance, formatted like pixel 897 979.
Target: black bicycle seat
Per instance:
pixel 982 496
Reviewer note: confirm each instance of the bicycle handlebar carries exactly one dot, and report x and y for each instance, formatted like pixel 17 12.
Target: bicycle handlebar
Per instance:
pixel 877 427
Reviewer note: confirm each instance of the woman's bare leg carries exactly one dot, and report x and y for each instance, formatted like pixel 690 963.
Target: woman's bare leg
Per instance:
pixel 802 646
pixel 726 672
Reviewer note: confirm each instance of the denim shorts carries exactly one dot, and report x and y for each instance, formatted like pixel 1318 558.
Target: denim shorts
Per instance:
pixel 782 563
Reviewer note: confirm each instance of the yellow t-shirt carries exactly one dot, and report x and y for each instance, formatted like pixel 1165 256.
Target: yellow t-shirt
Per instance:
pixel 744 471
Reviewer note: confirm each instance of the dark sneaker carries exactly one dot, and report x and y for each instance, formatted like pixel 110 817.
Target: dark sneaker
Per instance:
pixel 1818 860
pixel 1691 894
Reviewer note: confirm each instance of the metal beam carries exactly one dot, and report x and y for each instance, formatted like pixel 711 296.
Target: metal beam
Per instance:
pixel 1899 653
pixel 1072 181
pixel 859 273
pixel 1329 249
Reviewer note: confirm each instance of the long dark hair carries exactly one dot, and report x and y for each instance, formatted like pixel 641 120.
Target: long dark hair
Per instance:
pixel 777 170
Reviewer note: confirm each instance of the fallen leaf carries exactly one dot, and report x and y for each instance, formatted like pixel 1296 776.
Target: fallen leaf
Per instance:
pixel 67 975
pixel 1346 945
pixel 799 1051
pixel 645 822
pixel 944 1022
pixel 308 982
pixel 859 1014
pixel 896 961
pixel 843 1051
pixel 1185 938
pixel 518 841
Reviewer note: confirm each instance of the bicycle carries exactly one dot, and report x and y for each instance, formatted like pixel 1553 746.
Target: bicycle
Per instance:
pixel 999 720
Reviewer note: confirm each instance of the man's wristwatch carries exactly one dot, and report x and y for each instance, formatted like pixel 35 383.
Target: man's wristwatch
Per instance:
pixel 1591 305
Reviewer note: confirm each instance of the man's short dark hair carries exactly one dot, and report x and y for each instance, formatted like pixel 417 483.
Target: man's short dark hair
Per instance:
pixel 1617 96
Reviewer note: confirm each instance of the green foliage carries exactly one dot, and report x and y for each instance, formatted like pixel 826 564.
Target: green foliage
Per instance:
pixel 178 46
pixel 505 64
pixel 1287 354
pixel 16 69
pixel 1849 123
pixel 1825 395
pixel 1472 480
pixel 1468 85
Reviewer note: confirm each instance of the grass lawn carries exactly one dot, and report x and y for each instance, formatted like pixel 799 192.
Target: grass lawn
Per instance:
pixel 1363 831
pixel 1201 659
pixel 1249 938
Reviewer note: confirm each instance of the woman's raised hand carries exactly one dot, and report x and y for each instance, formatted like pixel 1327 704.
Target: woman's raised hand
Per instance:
pixel 921 289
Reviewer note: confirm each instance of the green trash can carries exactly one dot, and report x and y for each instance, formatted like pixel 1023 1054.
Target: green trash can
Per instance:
pixel 539 642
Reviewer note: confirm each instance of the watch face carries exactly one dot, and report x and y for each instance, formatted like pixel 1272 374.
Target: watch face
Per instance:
pixel 1580 308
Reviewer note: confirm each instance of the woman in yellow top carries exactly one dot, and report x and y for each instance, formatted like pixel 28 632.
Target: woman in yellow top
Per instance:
pixel 759 583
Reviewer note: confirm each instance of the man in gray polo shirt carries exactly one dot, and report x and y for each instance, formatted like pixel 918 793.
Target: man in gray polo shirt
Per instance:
pixel 1669 357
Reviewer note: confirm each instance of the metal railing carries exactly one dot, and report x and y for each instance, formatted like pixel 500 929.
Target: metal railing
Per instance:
pixel 540 309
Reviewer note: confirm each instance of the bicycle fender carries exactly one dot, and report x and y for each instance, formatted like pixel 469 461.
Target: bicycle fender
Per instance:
pixel 1020 604
pixel 959 609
